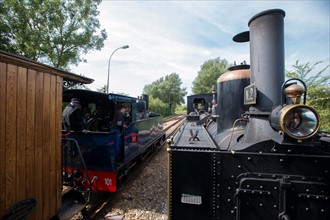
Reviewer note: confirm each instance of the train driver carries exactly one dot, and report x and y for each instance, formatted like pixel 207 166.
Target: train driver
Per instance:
pixel 72 116
pixel 118 125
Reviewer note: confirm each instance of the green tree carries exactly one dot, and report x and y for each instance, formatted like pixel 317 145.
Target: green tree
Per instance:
pixel 74 85
pixel 5 34
pixel 306 72
pixel 55 32
pixel 147 88
pixel 318 88
pixel 168 90
pixel 210 71
pixel 103 89
pixel 158 106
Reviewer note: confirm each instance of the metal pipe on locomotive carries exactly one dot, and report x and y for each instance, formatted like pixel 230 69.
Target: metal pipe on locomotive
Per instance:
pixel 259 155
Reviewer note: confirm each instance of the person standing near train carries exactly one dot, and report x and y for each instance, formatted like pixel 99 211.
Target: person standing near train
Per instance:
pixel 72 116
pixel 119 124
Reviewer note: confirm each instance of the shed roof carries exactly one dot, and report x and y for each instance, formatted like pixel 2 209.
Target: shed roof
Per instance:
pixel 31 64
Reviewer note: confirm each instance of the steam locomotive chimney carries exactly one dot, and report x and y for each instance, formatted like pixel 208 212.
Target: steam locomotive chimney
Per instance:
pixel 267 71
pixel 267 57
pixel 145 98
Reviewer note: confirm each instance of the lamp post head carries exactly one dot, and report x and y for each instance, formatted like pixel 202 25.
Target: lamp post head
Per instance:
pixel 125 47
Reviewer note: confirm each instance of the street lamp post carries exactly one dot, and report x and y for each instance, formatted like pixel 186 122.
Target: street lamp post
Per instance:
pixel 122 47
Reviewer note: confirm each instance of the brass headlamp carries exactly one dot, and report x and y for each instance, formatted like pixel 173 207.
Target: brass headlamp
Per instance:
pixel 293 119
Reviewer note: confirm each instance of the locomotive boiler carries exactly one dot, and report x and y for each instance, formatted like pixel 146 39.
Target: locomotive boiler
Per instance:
pixel 260 154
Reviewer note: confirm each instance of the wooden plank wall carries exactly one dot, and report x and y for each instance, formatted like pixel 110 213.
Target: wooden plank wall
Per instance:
pixel 30 139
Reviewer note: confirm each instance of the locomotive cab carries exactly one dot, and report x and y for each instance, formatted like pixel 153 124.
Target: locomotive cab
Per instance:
pixel 199 107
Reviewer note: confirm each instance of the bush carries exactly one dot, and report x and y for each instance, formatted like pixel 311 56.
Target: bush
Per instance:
pixel 157 106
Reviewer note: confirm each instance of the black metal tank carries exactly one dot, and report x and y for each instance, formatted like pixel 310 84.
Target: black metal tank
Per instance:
pixel 230 90
pixel 230 107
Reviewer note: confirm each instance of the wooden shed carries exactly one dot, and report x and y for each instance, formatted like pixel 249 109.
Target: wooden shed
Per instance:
pixel 30 134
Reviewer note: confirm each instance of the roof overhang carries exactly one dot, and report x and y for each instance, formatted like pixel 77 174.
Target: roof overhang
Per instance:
pixel 31 64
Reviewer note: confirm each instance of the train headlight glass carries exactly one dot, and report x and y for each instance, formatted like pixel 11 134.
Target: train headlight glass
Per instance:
pixel 296 121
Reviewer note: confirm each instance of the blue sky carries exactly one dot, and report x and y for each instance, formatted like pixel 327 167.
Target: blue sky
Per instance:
pixel 179 36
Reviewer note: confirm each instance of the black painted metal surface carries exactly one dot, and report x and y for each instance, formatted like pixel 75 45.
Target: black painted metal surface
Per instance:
pixel 265 181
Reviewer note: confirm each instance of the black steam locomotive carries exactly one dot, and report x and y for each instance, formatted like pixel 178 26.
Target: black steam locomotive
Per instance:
pixel 259 154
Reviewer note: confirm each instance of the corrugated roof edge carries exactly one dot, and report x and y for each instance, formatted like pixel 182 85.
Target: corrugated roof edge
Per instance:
pixel 31 64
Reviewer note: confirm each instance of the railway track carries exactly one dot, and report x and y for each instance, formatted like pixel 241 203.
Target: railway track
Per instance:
pixel 101 200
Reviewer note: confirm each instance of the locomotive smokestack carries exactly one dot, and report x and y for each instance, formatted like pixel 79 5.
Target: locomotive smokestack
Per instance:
pixel 145 98
pixel 267 71
pixel 267 57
